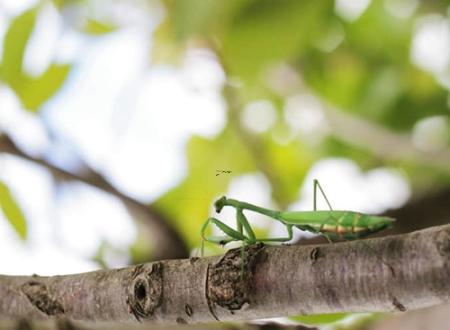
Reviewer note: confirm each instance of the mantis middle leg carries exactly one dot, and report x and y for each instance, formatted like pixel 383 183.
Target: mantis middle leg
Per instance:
pixel 279 239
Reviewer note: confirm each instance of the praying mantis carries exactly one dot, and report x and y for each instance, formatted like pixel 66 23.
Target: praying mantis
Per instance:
pixel 333 224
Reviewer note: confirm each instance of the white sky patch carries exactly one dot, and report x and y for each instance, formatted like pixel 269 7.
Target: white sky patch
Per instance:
pixel 201 71
pixel 431 134
pixel 431 44
pixel 351 10
pixel 24 127
pixel 16 7
pixel 41 47
pixel 259 116
pixel 70 46
pixel 82 110
pixel 86 217
pixel 150 156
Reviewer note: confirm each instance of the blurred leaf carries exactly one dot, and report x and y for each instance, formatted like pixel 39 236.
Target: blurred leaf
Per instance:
pixel 33 92
pixel 14 45
pixel 270 31
pixel 371 75
pixel 12 211
pixel 293 161
pixel 95 27
pixel 338 77
pixel 192 20
pixel 320 318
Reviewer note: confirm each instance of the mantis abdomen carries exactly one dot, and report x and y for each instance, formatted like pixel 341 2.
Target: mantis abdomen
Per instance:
pixel 336 224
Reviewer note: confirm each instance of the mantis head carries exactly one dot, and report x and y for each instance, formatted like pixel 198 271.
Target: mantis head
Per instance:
pixel 220 203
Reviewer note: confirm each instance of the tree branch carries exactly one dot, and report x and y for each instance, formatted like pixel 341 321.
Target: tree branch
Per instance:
pixel 395 273
pixel 64 324
pixel 169 243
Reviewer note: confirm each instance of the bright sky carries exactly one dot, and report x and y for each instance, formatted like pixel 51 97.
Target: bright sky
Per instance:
pixel 131 122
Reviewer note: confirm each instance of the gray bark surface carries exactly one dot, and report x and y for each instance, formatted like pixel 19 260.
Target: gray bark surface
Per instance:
pixel 77 325
pixel 389 274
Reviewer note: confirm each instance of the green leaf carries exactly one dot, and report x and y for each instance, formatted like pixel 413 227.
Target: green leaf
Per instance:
pixel 12 211
pixel 95 27
pixel 33 92
pixel 14 45
pixel 319 318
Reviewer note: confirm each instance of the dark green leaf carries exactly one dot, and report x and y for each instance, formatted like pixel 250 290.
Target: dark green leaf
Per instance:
pixel 12 211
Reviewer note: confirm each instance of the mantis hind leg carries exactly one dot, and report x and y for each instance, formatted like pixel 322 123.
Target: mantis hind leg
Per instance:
pixel 317 185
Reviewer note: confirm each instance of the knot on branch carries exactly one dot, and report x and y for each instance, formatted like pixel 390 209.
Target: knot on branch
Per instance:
pixel 145 290
pixel 229 281
pixel 39 295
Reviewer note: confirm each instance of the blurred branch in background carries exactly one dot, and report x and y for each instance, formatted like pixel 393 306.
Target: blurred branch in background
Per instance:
pixel 167 242
pixel 382 142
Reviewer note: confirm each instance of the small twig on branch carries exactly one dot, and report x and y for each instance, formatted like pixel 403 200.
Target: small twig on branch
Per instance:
pixel 389 274
pixel 169 246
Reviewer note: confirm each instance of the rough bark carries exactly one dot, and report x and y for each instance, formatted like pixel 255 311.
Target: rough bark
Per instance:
pixel 388 274
pixel 169 245
pixel 64 324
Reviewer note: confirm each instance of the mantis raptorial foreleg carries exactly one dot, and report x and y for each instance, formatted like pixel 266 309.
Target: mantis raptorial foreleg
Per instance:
pixel 242 225
pixel 232 235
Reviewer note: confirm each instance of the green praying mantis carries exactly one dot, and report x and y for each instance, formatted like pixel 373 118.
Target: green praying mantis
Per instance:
pixel 333 224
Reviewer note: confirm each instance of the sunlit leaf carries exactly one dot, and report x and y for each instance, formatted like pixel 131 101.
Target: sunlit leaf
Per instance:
pixel 14 45
pixel 96 27
pixel 33 92
pixel 12 211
